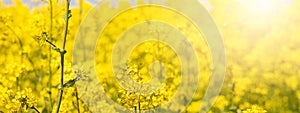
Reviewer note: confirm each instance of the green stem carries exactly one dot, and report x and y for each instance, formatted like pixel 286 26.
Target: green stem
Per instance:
pixel 50 43
pixel 77 99
pixel 35 109
pixel 61 82
pixel 19 40
pixel 22 52
pixel 62 55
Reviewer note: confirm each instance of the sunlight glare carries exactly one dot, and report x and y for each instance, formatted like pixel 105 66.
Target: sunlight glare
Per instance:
pixel 262 6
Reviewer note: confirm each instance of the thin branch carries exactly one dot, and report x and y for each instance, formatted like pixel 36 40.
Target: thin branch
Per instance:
pixel 50 43
pixel 67 23
pixel 18 37
pixel 19 40
pixel 61 82
pixel 77 99
pixel 35 109
pixel 62 54
pixel 22 51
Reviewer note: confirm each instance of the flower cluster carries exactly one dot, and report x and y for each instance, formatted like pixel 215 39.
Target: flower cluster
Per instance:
pixel 262 53
pixel 19 101
pixel 255 109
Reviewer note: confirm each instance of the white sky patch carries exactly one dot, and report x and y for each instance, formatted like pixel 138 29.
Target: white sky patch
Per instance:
pixel 147 1
pixel 133 3
pixel 114 3
pixel 206 4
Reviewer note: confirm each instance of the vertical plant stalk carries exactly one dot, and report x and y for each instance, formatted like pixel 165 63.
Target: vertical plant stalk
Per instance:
pixel 77 99
pixel 139 105
pixel 22 53
pixel 62 55
pixel 22 56
pixel 50 56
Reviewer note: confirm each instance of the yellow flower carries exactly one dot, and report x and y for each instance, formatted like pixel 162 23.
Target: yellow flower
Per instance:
pixel 255 109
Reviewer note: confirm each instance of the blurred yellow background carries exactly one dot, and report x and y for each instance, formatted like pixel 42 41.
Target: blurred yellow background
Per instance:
pixel 261 37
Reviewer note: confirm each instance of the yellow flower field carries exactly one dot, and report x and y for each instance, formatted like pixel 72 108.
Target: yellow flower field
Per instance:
pixel 261 41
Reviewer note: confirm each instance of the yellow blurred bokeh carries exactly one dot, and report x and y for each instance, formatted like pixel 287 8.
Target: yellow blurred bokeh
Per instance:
pixel 261 38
